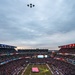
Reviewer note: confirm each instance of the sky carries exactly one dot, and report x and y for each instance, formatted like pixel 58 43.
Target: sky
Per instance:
pixel 49 24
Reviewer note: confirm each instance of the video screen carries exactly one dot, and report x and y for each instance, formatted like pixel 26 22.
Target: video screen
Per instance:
pixel 40 56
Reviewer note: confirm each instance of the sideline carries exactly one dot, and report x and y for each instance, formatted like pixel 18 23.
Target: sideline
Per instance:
pixel 49 69
pixel 24 69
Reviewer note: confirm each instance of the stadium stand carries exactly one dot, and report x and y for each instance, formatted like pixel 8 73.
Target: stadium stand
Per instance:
pixel 67 50
pixel 63 67
pixel 13 62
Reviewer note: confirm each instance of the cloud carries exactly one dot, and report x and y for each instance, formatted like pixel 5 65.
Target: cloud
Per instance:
pixel 49 24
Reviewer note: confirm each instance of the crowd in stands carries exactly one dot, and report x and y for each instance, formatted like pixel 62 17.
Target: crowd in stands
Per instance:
pixel 63 67
pixel 13 68
pixel 38 60
pixel 4 58
pixel 10 62
pixel 66 56
pixel 7 50
pixel 67 50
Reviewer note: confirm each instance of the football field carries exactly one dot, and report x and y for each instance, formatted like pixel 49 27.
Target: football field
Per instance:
pixel 43 70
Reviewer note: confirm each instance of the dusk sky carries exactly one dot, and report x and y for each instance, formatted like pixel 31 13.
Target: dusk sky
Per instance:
pixel 49 24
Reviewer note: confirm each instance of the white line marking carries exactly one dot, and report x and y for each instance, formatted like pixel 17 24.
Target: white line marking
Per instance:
pixel 24 70
pixel 49 68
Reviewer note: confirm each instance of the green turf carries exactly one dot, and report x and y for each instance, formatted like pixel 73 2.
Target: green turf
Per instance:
pixel 43 70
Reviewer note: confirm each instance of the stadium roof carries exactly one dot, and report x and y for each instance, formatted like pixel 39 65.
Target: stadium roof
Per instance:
pixel 7 46
pixel 67 46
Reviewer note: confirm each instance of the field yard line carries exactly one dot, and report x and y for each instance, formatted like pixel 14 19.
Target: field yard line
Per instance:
pixel 50 69
pixel 24 69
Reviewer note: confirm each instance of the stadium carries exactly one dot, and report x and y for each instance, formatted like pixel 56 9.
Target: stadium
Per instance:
pixel 37 37
pixel 37 61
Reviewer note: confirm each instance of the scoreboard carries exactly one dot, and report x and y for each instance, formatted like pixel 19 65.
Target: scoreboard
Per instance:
pixel 42 56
